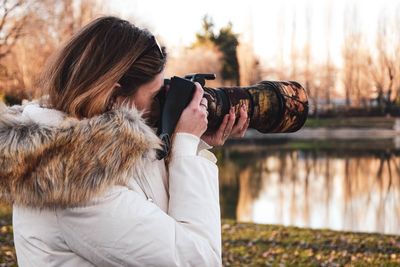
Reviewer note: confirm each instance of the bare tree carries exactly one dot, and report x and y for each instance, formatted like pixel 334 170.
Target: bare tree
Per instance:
pixel 280 70
pixel 329 69
pixel 293 49
pixel 250 69
pixel 13 18
pixel 47 24
pixel 355 70
pixel 200 59
pixel 69 16
pixel 355 59
pixel 396 32
pixel 383 66
pixel 307 71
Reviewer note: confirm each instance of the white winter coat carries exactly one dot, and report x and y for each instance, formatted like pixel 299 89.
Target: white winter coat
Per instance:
pixel 90 193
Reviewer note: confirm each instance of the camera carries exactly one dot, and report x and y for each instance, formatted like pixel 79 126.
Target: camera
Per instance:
pixel 272 106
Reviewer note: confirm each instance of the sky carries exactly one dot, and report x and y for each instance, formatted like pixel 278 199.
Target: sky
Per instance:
pixel 266 24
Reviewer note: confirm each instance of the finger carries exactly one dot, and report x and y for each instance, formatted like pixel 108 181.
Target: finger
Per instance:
pixel 204 101
pixel 205 111
pixel 244 129
pixel 241 122
pixel 220 132
pixel 246 126
pixel 230 124
pixel 197 96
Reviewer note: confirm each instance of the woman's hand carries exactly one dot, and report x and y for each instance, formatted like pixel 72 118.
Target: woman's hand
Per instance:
pixel 228 128
pixel 193 119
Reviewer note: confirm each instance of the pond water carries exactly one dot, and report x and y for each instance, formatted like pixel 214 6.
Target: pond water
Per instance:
pixel 351 185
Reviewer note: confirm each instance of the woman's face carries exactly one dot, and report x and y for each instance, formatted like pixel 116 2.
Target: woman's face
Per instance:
pixel 144 96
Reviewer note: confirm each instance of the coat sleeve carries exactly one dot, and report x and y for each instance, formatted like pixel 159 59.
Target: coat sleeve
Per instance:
pixel 194 192
pixel 124 229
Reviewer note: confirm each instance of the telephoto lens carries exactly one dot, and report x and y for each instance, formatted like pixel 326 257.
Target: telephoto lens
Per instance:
pixel 272 106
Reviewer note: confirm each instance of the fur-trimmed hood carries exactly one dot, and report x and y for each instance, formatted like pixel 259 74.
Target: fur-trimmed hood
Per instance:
pixel 48 159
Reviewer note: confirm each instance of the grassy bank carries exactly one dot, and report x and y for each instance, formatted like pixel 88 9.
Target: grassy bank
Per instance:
pixel 271 245
pixel 7 252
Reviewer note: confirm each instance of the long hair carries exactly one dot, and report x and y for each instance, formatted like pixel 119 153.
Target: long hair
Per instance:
pixel 80 78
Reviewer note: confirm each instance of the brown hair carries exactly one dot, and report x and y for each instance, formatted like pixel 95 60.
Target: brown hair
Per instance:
pixel 80 78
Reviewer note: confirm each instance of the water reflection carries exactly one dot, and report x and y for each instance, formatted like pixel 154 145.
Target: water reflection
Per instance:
pixel 356 190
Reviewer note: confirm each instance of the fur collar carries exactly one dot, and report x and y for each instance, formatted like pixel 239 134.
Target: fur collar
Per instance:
pixel 66 162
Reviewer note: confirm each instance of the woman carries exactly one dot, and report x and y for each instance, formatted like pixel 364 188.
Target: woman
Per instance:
pixel 80 168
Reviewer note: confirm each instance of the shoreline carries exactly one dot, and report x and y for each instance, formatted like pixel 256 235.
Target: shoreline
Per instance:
pixel 348 140
pixel 326 133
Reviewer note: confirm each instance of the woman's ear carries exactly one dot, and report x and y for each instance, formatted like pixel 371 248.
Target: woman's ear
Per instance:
pixel 113 99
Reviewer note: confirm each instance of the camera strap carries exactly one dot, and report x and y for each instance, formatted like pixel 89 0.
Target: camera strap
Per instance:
pixel 177 98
